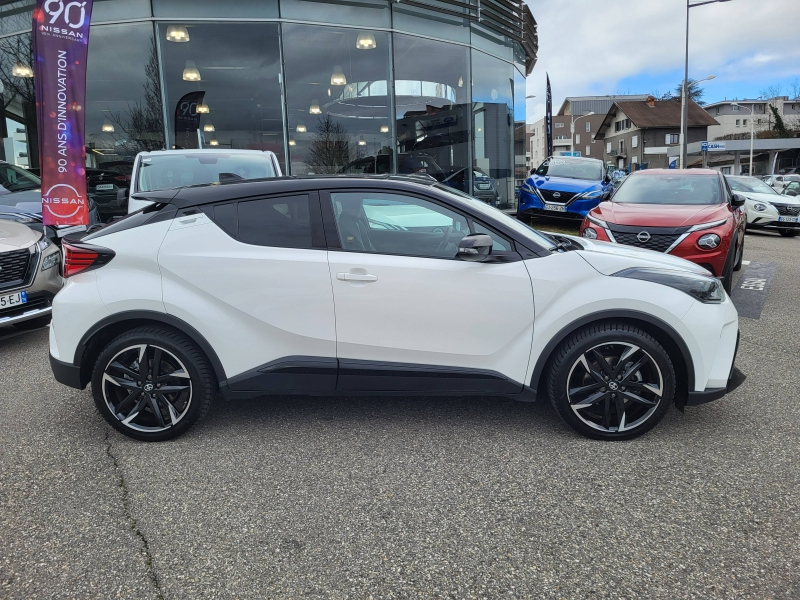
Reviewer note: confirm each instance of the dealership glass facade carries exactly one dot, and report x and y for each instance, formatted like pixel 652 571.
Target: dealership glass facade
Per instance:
pixel 359 86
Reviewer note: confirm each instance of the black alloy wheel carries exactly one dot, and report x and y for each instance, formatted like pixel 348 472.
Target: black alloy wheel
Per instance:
pixel 727 269
pixel 739 256
pixel 789 232
pixel 612 381
pixel 152 384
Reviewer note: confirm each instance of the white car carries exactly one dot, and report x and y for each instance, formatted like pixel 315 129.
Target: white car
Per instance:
pixel 170 169
pixel 370 286
pixel 778 182
pixel 766 208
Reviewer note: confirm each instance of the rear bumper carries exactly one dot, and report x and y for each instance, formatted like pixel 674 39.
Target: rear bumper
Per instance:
pixel 66 373
pixel 735 379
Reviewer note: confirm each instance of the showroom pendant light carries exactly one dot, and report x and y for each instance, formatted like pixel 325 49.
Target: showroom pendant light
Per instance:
pixel 291 141
pixel 460 82
pixel 21 70
pixel 329 92
pixel 365 41
pixel 301 128
pixel 108 128
pixel 177 33
pixel 213 142
pixel 338 77
pixel 314 109
pixel 209 127
pixel 384 129
pixel 203 109
pixel 362 141
pixel 190 72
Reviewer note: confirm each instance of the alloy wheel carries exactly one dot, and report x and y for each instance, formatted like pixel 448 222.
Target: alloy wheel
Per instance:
pixel 147 388
pixel 615 387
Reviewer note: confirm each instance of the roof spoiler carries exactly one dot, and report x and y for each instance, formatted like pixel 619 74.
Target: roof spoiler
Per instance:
pixel 159 196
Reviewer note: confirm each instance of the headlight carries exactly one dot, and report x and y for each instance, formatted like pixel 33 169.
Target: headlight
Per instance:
pixel 51 260
pixel 527 187
pixel 597 221
pixel 592 194
pixel 704 288
pixel 702 226
pixel 18 218
pixel 590 233
pixel 44 243
pixel 708 241
pixel 760 207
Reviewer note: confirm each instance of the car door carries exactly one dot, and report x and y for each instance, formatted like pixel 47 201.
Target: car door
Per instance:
pixel 252 277
pixel 410 315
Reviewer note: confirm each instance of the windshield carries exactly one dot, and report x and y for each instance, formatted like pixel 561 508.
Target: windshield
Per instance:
pixel 14 179
pixel 669 189
pixel 159 172
pixel 571 169
pixel 749 184
pixel 490 211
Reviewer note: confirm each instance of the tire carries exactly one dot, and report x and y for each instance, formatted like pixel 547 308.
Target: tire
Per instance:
pixel 789 232
pixel 129 404
pixel 31 324
pixel 583 397
pixel 727 270
pixel 737 266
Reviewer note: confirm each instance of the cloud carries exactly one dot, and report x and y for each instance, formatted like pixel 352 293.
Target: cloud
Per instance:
pixel 591 47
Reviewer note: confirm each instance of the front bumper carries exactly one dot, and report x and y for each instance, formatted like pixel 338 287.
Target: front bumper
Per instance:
pixel 735 379
pixel 576 208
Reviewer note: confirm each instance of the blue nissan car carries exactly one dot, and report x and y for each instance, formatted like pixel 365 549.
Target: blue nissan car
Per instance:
pixel 564 186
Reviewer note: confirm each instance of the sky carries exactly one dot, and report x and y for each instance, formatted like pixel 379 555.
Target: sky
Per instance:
pixel 600 47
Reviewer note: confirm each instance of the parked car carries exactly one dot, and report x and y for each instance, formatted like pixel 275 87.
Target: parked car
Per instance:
pixel 789 171
pixel 29 276
pixel 170 169
pixel 691 213
pixel 781 181
pixel 109 191
pixel 564 186
pixel 353 285
pixel 766 208
pixel 21 201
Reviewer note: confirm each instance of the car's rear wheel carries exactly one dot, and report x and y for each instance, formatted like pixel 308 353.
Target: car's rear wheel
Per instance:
pixel 611 381
pixel 152 384
pixel 727 269
pixel 788 232
pixel 739 256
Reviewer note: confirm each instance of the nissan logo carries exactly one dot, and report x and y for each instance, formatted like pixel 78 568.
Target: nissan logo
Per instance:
pixel 556 195
pixel 643 236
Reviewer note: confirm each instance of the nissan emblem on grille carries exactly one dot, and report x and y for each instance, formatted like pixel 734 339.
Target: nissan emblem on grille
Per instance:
pixel 556 195
pixel 643 236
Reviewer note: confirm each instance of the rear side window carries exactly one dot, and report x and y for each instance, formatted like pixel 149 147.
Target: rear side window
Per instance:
pixel 284 222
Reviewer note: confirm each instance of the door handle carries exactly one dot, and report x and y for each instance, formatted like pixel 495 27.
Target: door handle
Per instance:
pixel 356 277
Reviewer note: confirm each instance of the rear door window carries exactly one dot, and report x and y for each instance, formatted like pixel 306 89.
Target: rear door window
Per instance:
pixel 284 222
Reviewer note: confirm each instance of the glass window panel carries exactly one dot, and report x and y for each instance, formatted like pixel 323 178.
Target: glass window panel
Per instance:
pixel 494 43
pixel 499 242
pixel 162 171
pixel 493 110
pixel 433 110
pixel 397 224
pixel 363 12
pixel 252 9
pixel 18 123
pixel 112 10
pixel 430 23
pixel 124 114
pixel 16 16
pixel 337 106
pixel 233 69
pixel 520 119
pixel 283 222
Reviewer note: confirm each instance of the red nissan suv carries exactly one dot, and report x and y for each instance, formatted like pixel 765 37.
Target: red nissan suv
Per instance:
pixel 690 213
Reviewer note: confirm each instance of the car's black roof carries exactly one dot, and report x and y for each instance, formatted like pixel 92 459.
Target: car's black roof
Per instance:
pixel 205 194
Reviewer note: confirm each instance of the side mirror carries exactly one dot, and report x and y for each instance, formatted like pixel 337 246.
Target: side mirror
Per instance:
pixel 607 178
pixel 737 201
pixel 791 193
pixel 606 196
pixel 475 248
pixel 122 196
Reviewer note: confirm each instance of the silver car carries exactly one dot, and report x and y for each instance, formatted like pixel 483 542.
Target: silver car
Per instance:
pixel 29 276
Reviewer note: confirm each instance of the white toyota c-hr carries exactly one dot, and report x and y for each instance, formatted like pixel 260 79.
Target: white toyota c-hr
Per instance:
pixel 371 286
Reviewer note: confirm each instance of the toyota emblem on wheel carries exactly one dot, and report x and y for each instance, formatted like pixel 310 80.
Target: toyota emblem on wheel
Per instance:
pixel 643 236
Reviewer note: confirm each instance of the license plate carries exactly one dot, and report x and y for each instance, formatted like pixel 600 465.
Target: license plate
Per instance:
pixel 789 219
pixel 104 187
pixel 10 300
pixel 73 229
pixel 555 207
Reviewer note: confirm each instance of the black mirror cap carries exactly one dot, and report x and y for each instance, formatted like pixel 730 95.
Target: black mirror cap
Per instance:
pixel 791 193
pixel 737 201
pixel 475 248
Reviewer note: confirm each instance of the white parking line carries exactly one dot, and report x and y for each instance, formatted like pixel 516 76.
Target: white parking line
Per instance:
pixel 745 262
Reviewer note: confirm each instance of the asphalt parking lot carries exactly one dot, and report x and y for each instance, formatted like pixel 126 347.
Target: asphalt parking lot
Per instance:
pixel 418 497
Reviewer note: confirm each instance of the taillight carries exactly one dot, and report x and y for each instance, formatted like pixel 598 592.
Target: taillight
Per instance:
pixel 83 257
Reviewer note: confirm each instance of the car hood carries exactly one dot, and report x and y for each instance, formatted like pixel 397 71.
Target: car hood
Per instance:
pixel 770 198
pixel 608 258
pixel 659 215
pixel 15 236
pixel 563 184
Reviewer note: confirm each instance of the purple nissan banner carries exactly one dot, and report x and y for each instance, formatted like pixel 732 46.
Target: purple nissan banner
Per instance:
pixel 60 44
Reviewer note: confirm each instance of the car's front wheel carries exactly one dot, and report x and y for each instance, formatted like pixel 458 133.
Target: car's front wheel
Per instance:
pixel 611 381
pixel 789 232
pixel 152 384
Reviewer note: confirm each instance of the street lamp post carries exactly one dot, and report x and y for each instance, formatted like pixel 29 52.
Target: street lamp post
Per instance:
pixel 572 130
pixel 685 90
pixel 752 133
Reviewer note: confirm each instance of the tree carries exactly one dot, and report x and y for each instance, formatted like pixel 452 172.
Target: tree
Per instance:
pixel 780 127
pixel 772 91
pixel 330 147
pixel 695 92
pixel 19 91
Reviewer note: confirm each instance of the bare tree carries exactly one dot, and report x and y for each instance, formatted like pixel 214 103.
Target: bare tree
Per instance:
pixel 771 91
pixel 20 91
pixel 330 147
